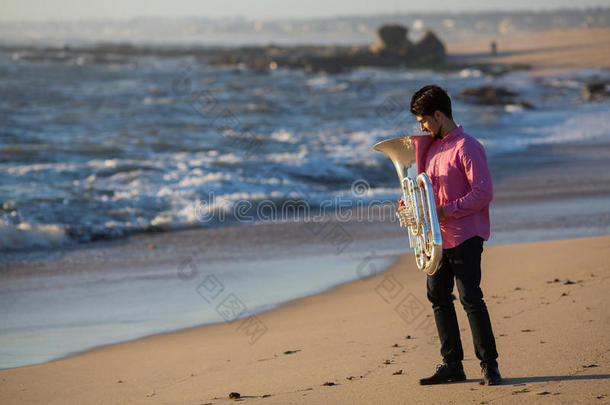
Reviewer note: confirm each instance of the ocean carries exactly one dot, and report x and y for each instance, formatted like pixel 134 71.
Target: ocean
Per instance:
pixel 93 150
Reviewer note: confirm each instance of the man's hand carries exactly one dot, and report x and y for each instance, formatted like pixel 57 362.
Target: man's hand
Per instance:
pixel 401 204
pixel 439 213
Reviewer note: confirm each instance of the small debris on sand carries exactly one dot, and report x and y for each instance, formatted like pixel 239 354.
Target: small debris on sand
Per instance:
pixel 234 395
pixel 329 384
pixel 399 372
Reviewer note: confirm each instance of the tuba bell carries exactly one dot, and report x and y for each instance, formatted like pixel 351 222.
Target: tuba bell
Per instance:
pixel 419 215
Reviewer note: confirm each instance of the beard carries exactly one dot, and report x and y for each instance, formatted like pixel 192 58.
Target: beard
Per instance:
pixel 437 134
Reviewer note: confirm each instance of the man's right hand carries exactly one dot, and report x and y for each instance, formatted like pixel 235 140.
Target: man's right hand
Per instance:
pixel 401 204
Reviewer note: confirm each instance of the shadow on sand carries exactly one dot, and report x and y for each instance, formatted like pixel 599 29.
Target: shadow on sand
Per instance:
pixel 522 380
pixel 547 378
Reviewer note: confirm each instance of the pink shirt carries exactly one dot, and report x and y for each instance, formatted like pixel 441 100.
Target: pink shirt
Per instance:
pixel 457 167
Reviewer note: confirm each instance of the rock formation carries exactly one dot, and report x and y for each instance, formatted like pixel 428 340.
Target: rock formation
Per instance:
pixel 489 95
pixel 430 48
pixel 596 91
pixel 392 38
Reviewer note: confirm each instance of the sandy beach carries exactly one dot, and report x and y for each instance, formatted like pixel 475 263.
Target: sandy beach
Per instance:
pixel 367 341
pixel 372 338
pixel 546 52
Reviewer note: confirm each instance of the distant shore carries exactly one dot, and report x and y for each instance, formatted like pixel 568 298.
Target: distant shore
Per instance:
pixel 547 52
pixel 544 52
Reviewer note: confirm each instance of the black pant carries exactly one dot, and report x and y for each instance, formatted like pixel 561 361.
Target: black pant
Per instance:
pixel 464 263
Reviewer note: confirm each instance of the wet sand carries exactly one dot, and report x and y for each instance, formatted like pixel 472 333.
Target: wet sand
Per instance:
pixel 547 301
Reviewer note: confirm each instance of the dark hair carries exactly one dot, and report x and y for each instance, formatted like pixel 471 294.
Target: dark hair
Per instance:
pixel 429 99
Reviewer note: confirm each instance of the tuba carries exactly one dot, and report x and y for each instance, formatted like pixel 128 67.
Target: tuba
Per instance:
pixel 419 215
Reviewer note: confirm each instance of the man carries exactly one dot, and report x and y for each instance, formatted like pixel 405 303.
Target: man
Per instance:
pixel 457 167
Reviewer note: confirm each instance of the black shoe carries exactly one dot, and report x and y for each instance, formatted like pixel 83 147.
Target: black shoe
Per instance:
pixel 491 375
pixel 445 373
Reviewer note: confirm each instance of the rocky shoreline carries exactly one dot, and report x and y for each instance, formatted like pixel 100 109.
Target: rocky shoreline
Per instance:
pixel 393 49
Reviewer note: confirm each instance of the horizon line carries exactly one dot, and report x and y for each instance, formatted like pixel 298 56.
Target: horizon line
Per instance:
pixel 309 18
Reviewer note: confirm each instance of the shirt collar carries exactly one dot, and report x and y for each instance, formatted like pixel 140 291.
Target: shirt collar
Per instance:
pixel 453 134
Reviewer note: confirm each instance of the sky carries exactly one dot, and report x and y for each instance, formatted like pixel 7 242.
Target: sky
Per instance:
pixel 41 10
